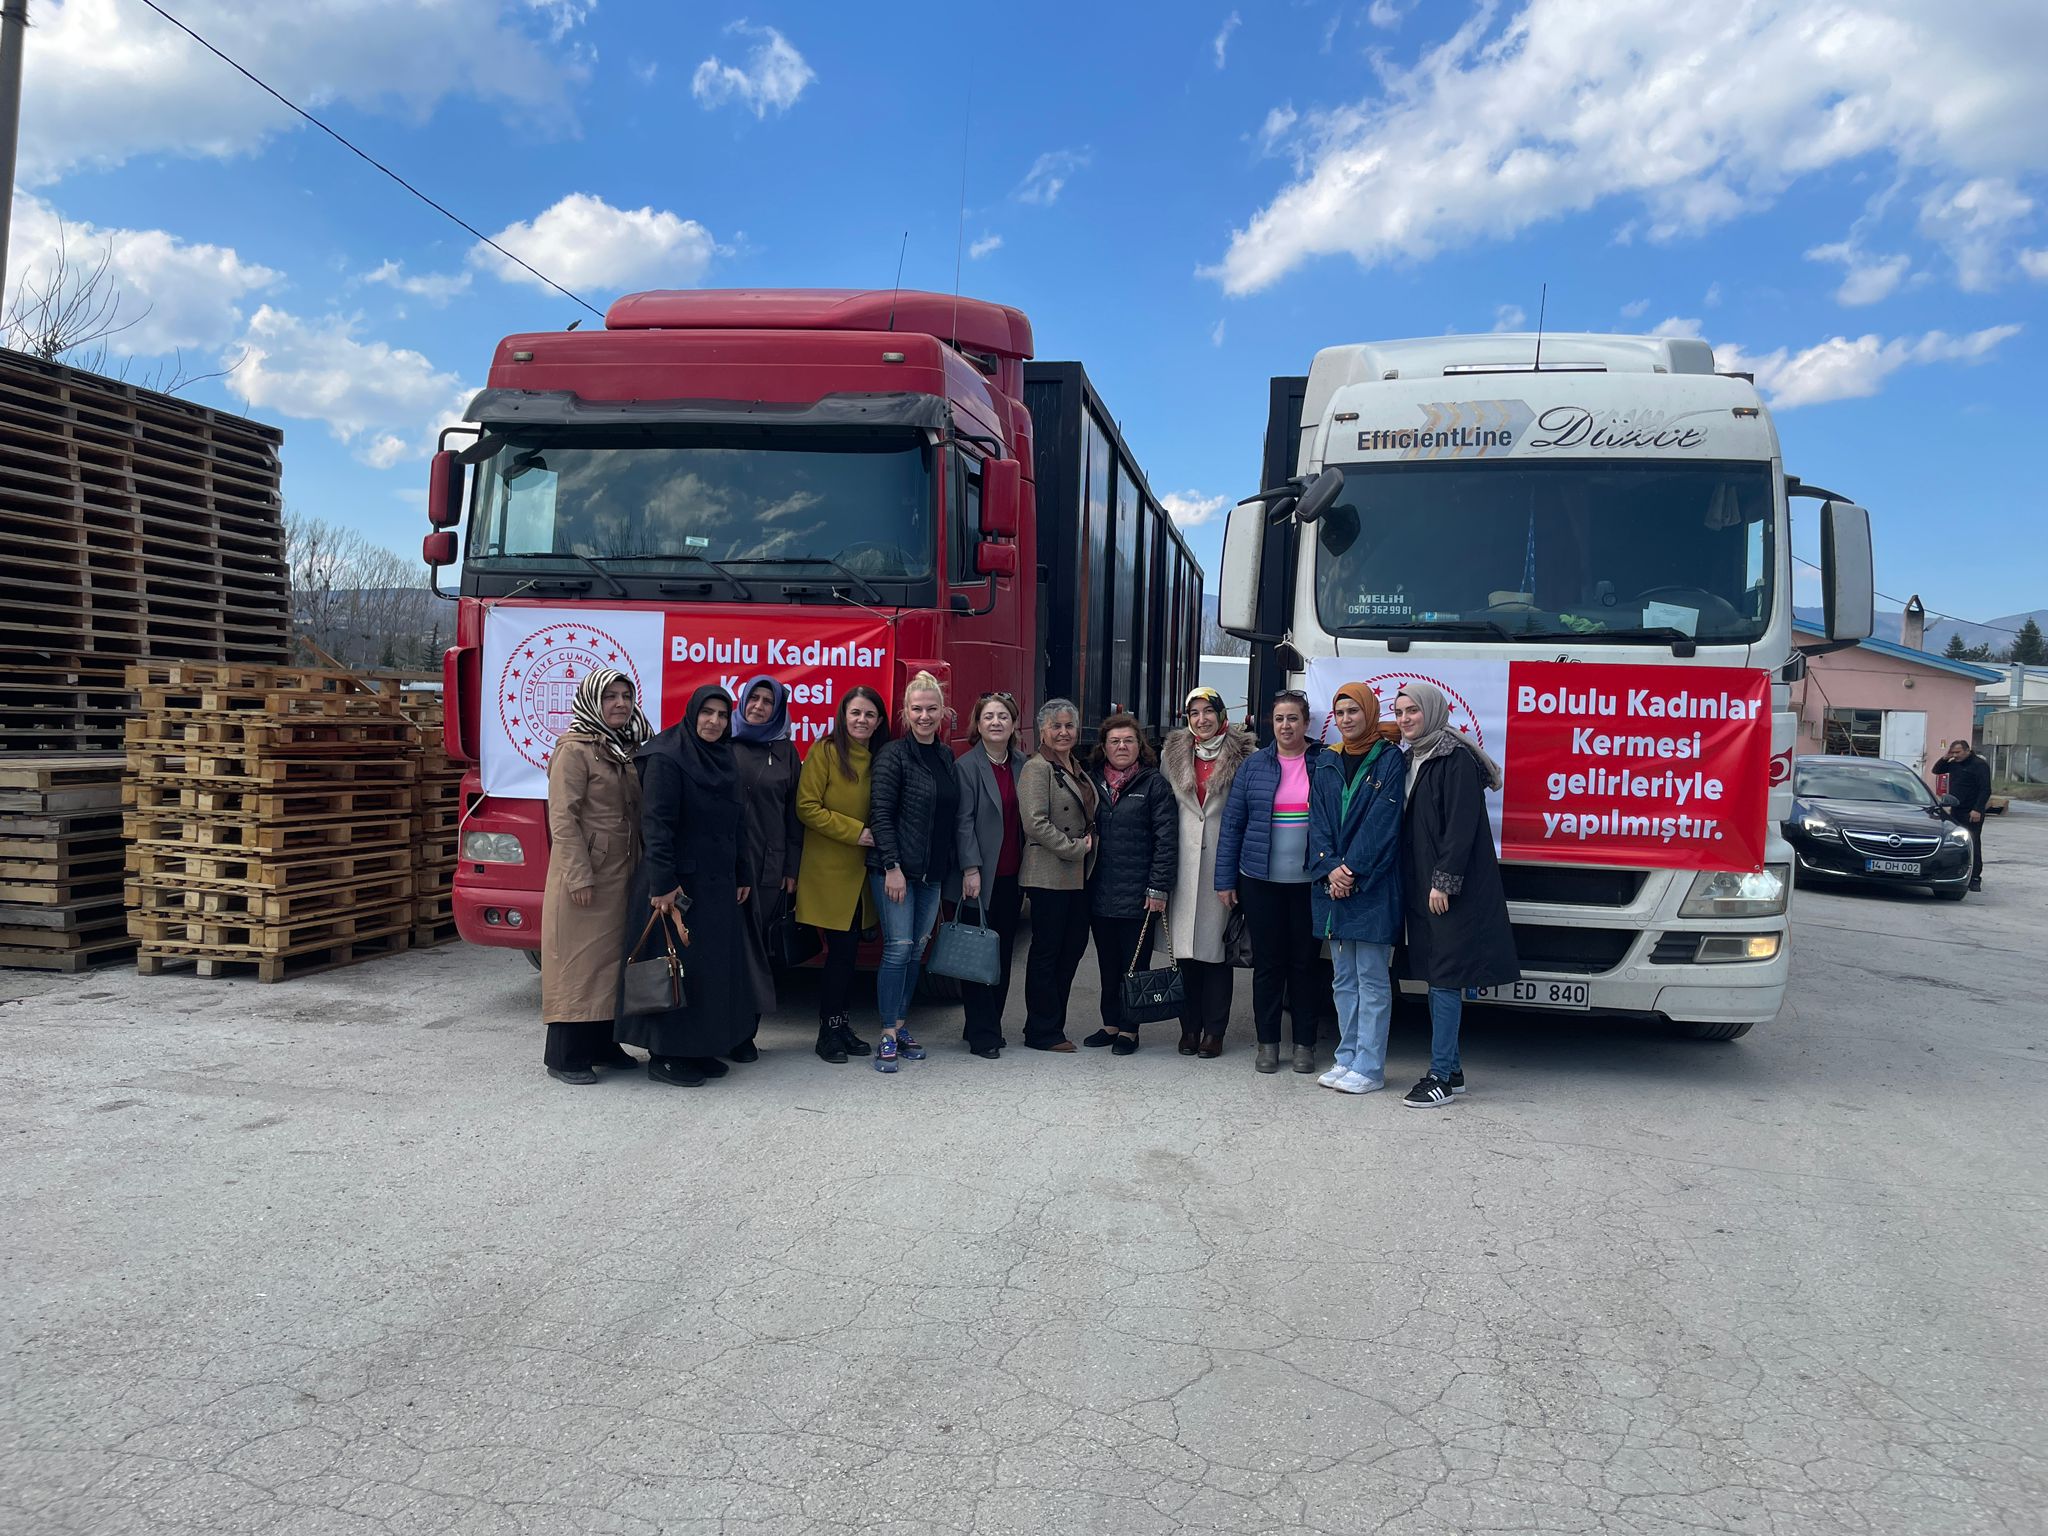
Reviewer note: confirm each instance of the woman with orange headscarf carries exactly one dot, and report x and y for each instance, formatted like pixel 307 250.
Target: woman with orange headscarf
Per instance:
pixel 1354 819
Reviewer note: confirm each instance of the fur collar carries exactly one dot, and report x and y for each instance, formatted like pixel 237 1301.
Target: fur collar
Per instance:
pixel 1177 763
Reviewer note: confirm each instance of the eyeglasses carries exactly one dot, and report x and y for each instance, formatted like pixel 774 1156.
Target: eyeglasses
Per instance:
pixel 1294 694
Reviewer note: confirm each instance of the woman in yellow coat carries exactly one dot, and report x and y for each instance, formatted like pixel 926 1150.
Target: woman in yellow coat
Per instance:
pixel 832 879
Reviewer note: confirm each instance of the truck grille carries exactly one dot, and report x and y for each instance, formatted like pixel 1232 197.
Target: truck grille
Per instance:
pixel 1571 951
pixel 1561 885
pixel 1892 845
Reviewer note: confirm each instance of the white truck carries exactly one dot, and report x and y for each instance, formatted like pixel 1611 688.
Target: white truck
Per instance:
pixel 1594 499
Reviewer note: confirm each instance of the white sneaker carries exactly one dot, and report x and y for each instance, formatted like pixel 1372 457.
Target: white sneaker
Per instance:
pixel 1333 1077
pixel 1356 1082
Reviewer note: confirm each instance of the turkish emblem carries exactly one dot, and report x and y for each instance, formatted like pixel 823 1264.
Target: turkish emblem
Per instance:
pixel 537 691
pixel 1463 718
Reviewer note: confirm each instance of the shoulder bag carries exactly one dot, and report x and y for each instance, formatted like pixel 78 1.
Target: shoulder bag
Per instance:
pixel 967 951
pixel 655 985
pixel 1150 996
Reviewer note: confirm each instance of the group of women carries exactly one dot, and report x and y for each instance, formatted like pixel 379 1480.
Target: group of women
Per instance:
pixel 1231 854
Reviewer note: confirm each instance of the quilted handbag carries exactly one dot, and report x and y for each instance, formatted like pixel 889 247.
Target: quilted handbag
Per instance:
pixel 1150 996
pixel 967 951
pixel 655 985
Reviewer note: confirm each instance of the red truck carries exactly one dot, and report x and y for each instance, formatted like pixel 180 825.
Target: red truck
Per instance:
pixel 833 486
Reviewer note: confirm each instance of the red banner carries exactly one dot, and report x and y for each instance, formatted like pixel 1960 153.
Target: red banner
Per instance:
pixel 819 656
pixel 1648 767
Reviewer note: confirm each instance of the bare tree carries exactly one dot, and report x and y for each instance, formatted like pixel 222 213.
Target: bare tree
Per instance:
pixel 67 308
pixel 360 603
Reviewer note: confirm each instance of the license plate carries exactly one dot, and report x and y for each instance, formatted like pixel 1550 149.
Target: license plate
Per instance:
pixel 1891 867
pixel 1538 994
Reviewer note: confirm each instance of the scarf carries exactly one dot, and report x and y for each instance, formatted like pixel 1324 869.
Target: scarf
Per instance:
pixel 1208 751
pixel 1117 778
pixel 1362 695
pixel 586 715
pixel 1438 739
pixel 776 726
pixel 707 765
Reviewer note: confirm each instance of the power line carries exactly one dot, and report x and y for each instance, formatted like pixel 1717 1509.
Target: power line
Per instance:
pixel 372 160
pixel 1952 618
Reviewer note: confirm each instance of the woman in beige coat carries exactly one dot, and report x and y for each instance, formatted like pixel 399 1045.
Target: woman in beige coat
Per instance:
pixel 594 825
pixel 1057 803
pixel 1199 763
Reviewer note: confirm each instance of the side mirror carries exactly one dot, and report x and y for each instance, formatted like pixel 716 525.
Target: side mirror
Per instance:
pixel 444 489
pixel 1848 598
pixel 996 559
pixel 1001 482
pixel 1320 496
pixel 438 549
pixel 1244 550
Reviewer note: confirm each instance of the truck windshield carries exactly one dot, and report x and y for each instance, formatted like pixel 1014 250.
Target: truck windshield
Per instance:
pixel 667 496
pixel 1555 550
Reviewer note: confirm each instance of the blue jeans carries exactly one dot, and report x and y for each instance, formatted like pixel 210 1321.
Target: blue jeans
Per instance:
pixel 1365 1005
pixel 905 927
pixel 1446 1008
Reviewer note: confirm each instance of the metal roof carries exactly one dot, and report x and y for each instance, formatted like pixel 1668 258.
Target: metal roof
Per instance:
pixel 1897 652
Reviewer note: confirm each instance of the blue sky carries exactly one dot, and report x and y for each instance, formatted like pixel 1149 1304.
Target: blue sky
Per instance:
pixel 1847 197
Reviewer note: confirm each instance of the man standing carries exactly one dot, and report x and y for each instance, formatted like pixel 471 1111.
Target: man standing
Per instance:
pixel 1969 780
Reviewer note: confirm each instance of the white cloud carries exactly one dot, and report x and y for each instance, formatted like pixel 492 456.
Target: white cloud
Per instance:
pixel 1867 278
pixel 1387 14
pixel 1191 509
pixel 645 70
pixel 1635 307
pixel 107 81
pixel 1698 113
pixel 984 246
pixel 1278 120
pixel 1216 334
pixel 437 288
pixel 774 76
pixel 1975 223
pixel 592 248
pixel 386 402
pixel 2035 264
pixel 1222 42
pixel 1509 317
pixel 179 295
pixel 1842 367
pixel 1049 174
pixel 1712 297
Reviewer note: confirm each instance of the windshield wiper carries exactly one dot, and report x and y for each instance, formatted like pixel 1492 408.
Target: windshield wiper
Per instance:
pixel 1663 634
pixel 1423 627
pixel 855 577
pixel 603 575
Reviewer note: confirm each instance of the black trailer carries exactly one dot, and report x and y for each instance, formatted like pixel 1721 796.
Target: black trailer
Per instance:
pixel 1119 591
pixel 1281 461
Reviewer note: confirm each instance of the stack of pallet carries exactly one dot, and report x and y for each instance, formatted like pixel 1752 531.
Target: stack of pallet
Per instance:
pixel 437 804
pixel 60 861
pixel 271 818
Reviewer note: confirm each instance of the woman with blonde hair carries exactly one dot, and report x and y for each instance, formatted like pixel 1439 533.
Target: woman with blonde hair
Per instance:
pixel 914 814
pixel 1057 804
pixel 594 824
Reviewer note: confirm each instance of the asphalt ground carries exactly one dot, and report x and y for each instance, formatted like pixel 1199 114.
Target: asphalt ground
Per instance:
pixel 334 1256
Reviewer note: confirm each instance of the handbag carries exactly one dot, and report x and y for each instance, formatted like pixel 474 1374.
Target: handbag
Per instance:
pixel 1150 996
pixel 793 944
pixel 654 985
pixel 1237 939
pixel 967 951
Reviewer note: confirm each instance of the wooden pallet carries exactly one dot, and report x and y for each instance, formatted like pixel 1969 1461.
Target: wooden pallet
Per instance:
pixel 61 893
pixel 270 808
pixel 52 771
pixel 249 837
pixel 280 735
pixel 240 768
pixel 229 937
pixel 157 864
pixel 157 959
pixel 432 934
pixel 103 952
pixel 276 908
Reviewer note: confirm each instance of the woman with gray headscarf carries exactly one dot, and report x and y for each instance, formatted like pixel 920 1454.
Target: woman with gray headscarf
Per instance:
pixel 1457 910
pixel 766 760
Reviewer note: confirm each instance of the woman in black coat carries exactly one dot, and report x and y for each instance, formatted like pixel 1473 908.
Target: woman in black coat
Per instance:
pixel 1457 909
pixel 695 863
pixel 767 762
pixel 1137 840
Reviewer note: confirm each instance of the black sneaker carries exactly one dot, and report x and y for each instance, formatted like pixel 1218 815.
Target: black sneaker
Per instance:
pixel 1124 1045
pixel 1430 1093
pixel 1458 1081
pixel 674 1071
pixel 578 1076
pixel 1100 1038
pixel 830 1047
pixel 851 1043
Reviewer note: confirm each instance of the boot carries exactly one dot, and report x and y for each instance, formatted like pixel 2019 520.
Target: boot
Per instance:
pixel 1305 1059
pixel 851 1043
pixel 830 1047
pixel 1269 1056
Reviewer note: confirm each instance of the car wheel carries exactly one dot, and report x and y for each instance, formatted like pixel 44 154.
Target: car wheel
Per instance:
pixel 1719 1029
pixel 532 958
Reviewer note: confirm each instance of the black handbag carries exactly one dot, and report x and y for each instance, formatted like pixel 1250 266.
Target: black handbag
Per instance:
pixel 655 985
pixel 1237 939
pixel 1150 996
pixel 792 944
pixel 967 951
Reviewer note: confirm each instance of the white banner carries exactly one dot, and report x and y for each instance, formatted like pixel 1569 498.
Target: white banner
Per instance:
pixel 533 660
pixel 1477 691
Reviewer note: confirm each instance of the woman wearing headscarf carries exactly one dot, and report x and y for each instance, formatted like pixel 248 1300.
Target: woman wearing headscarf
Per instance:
pixel 1458 930
pixel 1354 822
pixel 773 837
pixel 1199 763
pixel 832 799
pixel 1057 802
pixel 991 856
pixel 594 825
pixel 695 868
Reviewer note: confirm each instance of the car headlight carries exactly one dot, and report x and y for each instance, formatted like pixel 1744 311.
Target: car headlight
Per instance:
pixel 1819 826
pixel 1728 893
pixel 492 848
pixel 1957 835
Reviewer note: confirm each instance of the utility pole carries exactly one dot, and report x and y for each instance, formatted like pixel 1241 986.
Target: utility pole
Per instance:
pixel 13 34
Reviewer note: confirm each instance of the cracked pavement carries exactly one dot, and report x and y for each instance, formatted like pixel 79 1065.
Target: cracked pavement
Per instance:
pixel 335 1258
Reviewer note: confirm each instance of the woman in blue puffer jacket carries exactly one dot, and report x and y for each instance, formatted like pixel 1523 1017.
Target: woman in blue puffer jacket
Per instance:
pixel 1354 812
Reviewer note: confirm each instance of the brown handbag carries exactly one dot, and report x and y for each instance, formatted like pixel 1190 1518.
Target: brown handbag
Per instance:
pixel 655 985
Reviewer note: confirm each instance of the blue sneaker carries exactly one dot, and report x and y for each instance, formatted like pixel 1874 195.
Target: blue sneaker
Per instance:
pixel 885 1054
pixel 907 1046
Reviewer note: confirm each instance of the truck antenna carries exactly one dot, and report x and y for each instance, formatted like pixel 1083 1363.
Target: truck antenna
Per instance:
pixel 1542 305
pixel 900 251
pixel 960 233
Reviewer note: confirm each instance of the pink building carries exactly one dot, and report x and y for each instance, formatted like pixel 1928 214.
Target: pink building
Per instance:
pixel 1875 698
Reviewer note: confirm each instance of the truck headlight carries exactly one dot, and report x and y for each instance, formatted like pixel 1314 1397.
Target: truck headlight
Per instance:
pixel 1718 893
pixel 492 848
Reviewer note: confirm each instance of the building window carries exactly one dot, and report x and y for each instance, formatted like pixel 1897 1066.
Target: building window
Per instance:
pixel 1853 732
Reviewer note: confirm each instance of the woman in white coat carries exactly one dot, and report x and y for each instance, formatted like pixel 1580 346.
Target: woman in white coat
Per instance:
pixel 1199 762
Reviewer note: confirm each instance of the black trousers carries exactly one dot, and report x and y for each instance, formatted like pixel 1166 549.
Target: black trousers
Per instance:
pixel 1005 905
pixel 1209 986
pixel 1287 960
pixel 1977 844
pixel 575 1047
pixel 1117 952
pixel 835 981
pixel 1059 937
